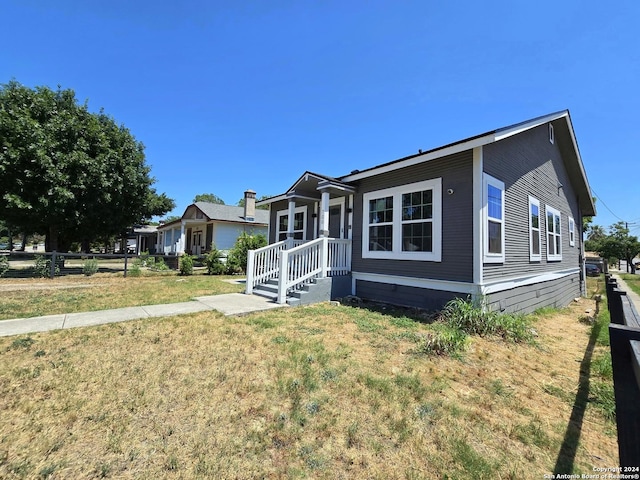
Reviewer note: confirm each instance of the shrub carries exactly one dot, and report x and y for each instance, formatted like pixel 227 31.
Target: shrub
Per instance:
pixel 134 270
pixel 186 265
pixel 159 265
pixel 214 263
pixel 4 265
pixel 238 255
pixel 42 267
pixel 473 319
pixel 90 267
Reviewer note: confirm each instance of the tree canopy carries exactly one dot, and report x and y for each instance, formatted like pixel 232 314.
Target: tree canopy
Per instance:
pixel 261 207
pixel 618 245
pixel 68 173
pixel 208 197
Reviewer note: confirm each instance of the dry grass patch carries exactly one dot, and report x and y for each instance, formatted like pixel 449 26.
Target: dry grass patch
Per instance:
pixel 70 294
pixel 311 392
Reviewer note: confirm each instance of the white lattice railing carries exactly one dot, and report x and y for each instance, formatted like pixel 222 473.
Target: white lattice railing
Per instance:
pixel 294 266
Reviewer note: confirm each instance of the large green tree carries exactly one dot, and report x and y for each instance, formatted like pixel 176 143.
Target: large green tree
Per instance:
pixel 208 197
pixel 619 245
pixel 68 173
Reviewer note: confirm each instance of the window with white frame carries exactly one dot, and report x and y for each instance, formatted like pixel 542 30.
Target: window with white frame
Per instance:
pixel 403 222
pixel 534 230
pixel 572 232
pixel 299 222
pixel 493 192
pixel 552 137
pixel 554 234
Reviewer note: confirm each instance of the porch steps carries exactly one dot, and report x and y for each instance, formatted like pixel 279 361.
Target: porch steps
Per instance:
pixel 318 290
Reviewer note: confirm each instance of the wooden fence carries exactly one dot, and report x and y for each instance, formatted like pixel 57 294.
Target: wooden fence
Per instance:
pixel 22 264
pixel 624 335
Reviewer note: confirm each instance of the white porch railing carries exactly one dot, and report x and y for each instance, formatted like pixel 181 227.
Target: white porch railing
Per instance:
pixel 262 264
pixel 294 266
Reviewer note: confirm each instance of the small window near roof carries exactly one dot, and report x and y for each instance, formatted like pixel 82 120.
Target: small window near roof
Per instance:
pixel 551 135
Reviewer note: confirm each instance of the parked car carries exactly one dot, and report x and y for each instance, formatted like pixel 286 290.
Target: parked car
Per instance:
pixel 592 270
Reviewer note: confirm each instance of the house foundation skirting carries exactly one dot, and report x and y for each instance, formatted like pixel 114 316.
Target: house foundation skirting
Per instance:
pixel 524 294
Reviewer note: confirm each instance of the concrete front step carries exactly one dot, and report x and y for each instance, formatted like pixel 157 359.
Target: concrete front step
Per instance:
pixel 319 290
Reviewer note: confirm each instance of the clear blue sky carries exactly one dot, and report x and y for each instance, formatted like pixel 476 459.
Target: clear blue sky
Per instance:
pixel 249 94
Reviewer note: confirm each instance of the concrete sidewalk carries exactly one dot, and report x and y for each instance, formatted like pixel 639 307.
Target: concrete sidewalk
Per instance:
pixel 228 304
pixel 631 295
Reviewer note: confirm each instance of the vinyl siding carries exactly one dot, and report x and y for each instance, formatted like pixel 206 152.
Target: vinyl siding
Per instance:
pixel 457 222
pixel 554 293
pixel 530 165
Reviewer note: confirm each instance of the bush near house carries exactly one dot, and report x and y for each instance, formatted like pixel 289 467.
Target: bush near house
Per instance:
pixel 4 265
pixel 237 258
pixel 186 265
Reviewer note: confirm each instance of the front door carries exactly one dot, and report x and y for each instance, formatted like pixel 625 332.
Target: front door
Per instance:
pixel 336 218
pixel 197 243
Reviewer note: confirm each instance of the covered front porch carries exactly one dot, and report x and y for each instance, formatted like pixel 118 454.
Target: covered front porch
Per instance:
pixel 309 235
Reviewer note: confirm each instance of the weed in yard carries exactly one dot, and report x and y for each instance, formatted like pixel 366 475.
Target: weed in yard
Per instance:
pixel 499 389
pixel 24 342
pixel 471 462
pixel 442 340
pixel 90 267
pixel 532 433
pixel 47 471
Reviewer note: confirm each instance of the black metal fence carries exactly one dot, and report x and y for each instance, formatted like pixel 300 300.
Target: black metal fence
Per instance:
pixel 624 336
pixel 51 264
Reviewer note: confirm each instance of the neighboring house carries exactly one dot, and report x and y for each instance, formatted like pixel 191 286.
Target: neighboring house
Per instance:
pixel 204 224
pixel 497 216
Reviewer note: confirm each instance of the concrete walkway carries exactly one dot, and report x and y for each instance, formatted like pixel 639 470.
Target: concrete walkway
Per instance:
pixel 631 295
pixel 228 304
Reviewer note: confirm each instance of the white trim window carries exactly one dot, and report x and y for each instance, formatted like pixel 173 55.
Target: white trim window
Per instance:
pixel 554 235
pixel 403 223
pixel 552 137
pixel 572 232
pixel 299 224
pixel 493 215
pixel 535 240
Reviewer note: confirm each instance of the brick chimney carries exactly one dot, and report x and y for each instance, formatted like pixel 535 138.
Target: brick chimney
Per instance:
pixel 250 205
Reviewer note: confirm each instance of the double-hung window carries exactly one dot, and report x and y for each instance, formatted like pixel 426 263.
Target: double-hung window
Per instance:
pixel 299 222
pixel 403 223
pixel 572 232
pixel 554 235
pixel 493 193
pixel 535 254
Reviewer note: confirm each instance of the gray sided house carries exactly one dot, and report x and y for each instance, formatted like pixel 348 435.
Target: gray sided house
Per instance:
pixel 204 224
pixel 496 217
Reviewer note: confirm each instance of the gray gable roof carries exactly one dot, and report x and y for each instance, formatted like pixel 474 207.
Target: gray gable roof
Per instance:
pixel 230 213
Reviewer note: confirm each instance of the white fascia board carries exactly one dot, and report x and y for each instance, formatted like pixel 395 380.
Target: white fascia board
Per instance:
pixel 521 127
pixel 425 157
pixel 508 284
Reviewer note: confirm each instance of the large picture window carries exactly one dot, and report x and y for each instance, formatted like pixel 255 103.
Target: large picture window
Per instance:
pixel 554 235
pixel 493 220
pixel 403 222
pixel 534 230
pixel 299 222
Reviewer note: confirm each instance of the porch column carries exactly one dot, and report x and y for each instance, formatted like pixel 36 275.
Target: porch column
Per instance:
pixel 182 243
pixel 292 214
pixel 324 214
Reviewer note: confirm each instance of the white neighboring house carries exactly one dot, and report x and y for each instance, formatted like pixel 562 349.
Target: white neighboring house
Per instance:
pixel 204 224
